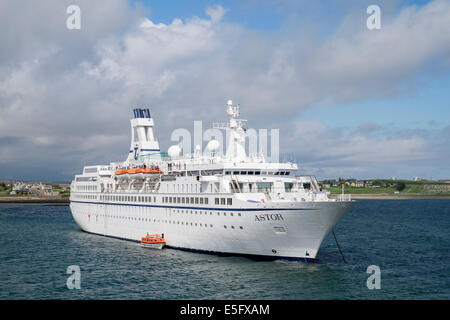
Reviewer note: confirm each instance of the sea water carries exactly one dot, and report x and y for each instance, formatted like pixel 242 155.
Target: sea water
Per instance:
pixel 408 240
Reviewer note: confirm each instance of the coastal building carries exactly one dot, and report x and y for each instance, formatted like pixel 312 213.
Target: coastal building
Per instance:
pixel 33 188
pixel 359 184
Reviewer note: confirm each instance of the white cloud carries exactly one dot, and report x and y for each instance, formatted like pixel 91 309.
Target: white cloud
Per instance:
pixel 216 13
pixel 73 92
pixel 333 151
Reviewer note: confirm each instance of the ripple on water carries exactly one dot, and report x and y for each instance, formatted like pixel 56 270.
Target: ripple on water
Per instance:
pixel 408 239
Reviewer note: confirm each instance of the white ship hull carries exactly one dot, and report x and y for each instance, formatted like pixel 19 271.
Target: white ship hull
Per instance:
pixel 293 232
pixel 211 202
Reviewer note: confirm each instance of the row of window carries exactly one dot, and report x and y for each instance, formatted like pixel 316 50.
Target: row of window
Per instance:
pixel 150 220
pixel 182 211
pixel 201 212
pixel 127 198
pixel 222 201
pixel 232 227
pixel 186 200
pixel 84 179
pixel 181 200
pixel 87 188
pixel 183 223
pixel 264 173
pixel 85 196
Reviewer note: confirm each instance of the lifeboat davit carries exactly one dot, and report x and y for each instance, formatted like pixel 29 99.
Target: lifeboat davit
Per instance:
pixel 153 241
pixel 122 174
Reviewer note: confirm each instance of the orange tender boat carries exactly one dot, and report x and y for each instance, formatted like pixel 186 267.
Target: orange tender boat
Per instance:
pixel 121 171
pixel 135 170
pixel 151 171
pixel 153 241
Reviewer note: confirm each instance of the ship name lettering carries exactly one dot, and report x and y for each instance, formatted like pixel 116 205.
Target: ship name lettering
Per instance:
pixel 269 217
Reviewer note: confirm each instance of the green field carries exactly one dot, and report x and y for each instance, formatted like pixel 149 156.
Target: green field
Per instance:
pixel 63 193
pixel 412 188
pixel 380 190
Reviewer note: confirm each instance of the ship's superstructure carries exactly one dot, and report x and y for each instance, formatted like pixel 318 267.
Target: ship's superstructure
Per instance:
pixel 229 204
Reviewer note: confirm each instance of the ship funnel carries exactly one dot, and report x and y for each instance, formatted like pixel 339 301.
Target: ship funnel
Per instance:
pixel 144 147
pixel 141 113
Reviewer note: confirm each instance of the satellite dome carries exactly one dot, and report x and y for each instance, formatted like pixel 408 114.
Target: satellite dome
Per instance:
pixel 213 145
pixel 174 151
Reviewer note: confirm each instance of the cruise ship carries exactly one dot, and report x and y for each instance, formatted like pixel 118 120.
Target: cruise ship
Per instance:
pixel 226 203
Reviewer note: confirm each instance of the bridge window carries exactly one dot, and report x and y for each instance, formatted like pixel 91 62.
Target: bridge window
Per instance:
pixel 288 186
pixel 263 186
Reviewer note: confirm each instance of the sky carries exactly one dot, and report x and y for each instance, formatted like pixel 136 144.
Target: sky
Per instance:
pixel 348 101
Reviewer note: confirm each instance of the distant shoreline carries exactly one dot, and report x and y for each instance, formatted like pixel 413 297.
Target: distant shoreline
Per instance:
pixel 27 199
pixel 367 196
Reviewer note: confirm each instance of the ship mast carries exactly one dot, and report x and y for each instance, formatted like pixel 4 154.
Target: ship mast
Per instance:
pixel 236 130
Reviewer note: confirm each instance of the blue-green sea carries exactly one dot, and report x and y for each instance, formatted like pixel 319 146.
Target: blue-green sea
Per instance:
pixel 409 240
